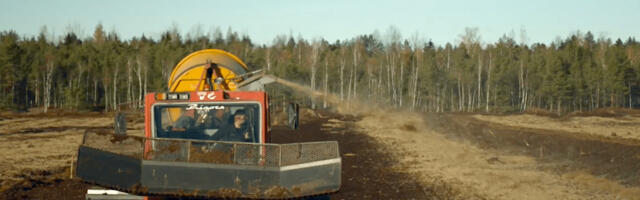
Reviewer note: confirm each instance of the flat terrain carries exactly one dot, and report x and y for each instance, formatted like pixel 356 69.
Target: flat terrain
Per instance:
pixel 484 160
pixel 626 126
pixel 386 154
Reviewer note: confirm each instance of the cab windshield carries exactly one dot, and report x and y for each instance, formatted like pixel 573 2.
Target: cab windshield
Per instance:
pixel 236 122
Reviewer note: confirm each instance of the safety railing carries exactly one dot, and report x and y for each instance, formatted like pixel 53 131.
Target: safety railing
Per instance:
pixel 215 152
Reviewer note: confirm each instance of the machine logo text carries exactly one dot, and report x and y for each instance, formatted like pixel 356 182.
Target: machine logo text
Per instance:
pixel 208 95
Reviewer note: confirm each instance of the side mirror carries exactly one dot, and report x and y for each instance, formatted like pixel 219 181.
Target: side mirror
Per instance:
pixel 120 124
pixel 292 114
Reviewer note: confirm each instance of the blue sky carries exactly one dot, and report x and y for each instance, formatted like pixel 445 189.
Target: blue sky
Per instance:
pixel 439 21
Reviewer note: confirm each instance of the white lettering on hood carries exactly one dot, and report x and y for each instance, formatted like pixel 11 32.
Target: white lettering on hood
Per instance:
pixel 203 108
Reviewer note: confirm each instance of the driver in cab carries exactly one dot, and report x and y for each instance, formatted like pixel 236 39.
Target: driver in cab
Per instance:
pixel 237 131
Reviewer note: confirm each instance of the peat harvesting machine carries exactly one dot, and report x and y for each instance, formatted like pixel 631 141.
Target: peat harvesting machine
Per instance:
pixel 208 137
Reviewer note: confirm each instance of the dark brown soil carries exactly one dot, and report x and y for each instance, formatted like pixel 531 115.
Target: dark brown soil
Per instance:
pixel 366 169
pixel 366 165
pixel 52 184
pixel 51 129
pixel 611 158
pixel 213 156
pixel 600 112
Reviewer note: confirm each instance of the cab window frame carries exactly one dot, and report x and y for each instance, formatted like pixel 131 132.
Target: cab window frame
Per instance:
pixel 259 115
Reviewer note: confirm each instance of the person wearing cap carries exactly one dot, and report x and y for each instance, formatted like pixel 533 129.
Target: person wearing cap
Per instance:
pixel 216 119
pixel 237 131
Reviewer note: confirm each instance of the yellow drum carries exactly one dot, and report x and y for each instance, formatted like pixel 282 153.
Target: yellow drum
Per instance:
pixel 188 75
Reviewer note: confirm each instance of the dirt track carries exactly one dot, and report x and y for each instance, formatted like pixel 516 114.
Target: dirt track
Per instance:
pixel 367 168
pixel 386 155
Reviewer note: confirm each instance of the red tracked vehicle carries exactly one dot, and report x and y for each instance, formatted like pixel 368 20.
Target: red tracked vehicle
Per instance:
pixel 208 137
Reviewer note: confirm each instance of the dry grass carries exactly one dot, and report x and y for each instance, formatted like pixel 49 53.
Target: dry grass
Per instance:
pixel 625 126
pixel 45 142
pixel 475 173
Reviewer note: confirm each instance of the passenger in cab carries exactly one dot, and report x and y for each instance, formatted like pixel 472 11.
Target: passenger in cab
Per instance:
pixel 217 119
pixel 185 122
pixel 186 127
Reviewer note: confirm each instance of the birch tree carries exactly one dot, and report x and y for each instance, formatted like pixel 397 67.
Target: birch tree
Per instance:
pixel 342 65
pixel 48 83
pixel 314 57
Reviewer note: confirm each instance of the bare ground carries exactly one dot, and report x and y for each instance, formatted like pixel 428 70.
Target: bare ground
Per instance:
pixel 481 160
pixel 386 155
pixel 626 126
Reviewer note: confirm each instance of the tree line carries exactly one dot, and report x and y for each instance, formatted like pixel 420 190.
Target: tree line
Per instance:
pixel 101 72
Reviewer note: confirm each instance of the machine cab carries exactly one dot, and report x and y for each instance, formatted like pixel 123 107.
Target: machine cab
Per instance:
pixel 207 115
